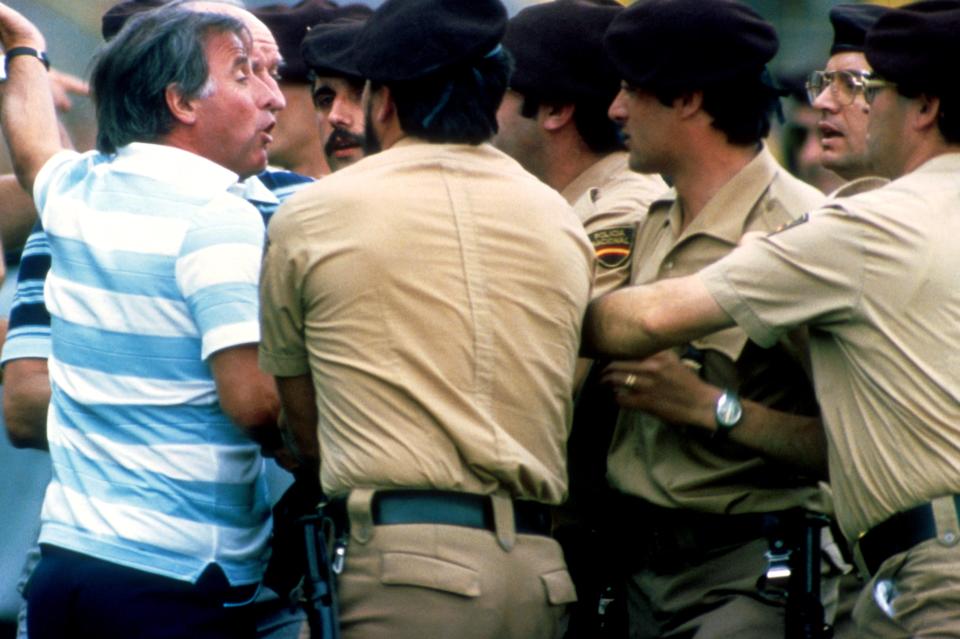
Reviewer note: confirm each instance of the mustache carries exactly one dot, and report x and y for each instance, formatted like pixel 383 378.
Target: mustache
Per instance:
pixel 342 138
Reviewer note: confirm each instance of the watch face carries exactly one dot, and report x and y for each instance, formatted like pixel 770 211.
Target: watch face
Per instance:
pixel 729 410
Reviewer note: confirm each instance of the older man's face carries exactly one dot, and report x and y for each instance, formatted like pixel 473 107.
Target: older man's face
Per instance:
pixel 843 122
pixel 234 118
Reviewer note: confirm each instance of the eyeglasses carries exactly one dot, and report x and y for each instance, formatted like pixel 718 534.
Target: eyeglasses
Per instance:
pixel 873 86
pixel 844 85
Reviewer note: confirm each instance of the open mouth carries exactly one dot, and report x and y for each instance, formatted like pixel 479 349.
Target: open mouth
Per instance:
pixel 828 131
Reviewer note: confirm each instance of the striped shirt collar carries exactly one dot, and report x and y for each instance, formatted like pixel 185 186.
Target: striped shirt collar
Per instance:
pixel 174 166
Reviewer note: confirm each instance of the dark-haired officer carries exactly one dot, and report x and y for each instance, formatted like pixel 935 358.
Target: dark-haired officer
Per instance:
pixel 838 92
pixel 874 278
pixel 553 120
pixel 421 312
pixel 718 437
pixel 336 83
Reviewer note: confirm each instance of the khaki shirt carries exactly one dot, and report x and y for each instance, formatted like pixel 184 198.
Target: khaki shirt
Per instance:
pixel 611 201
pixel 680 466
pixel 876 277
pixel 435 293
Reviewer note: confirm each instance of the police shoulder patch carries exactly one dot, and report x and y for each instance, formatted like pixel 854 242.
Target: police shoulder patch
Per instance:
pixel 613 246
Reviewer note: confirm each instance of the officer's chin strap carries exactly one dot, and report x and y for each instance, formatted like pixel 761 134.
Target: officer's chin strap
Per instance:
pixel 792 577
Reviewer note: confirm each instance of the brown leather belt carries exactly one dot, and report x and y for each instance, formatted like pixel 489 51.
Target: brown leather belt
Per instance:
pixel 897 534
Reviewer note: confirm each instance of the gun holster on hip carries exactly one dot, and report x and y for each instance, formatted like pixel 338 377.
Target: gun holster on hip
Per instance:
pixel 324 542
pixel 793 572
pixel 309 547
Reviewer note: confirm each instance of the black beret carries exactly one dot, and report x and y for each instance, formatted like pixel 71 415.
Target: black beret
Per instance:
pixel 689 44
pixel 289 25
pixel 917 46
pixel 327 47
pixel 410 39
pixel 117 15
pixel 851 23
pixel 557 49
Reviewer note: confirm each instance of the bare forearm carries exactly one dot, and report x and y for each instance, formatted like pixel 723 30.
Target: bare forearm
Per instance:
pixel 17 213
pixel 638 321
pixel 662 385
pixel 298 398
pixel 26 396
pixel 27 113
pixel 797 440
pixel 247 395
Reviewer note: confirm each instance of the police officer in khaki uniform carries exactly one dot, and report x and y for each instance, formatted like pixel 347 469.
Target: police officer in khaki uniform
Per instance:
pixel 838 92
pixel 336 83
pixel 421 312
pixel 553 120
pixel 720 436
pixel 874 277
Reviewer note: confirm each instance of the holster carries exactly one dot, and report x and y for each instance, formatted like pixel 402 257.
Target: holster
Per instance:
pixel 793 572
pixel 309 542
pixel 324 542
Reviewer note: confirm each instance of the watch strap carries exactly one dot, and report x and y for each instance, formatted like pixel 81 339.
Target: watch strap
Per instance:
pixel 36 53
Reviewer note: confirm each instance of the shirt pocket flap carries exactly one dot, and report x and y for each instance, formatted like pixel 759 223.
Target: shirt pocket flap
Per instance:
pixel 405 569
pixel 559 586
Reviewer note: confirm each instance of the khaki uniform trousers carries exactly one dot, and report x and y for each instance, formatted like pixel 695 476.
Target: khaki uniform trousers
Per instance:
pixel 919 589
pixel 717 599
pixel 428 581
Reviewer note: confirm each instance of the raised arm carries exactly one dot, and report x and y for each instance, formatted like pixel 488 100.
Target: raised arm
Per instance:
pixel 27 113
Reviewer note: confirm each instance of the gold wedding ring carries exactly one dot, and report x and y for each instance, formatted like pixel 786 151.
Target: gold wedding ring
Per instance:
pixel 630 381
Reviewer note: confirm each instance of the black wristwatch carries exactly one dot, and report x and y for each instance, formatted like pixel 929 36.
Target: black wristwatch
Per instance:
pixel 728 412
pixel 29 51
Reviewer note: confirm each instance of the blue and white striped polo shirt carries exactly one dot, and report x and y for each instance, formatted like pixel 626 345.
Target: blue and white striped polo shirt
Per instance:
pixel 154 268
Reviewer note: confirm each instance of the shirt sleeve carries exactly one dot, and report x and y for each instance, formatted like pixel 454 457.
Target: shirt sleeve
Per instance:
pixel 49 175
pixel 217 272
pixel 811 272
pixel 28 333
pixel 283 350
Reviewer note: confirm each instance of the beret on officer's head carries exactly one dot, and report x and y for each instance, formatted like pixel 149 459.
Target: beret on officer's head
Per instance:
pixel 681 45
pixel 289 25
pixel 557 50
pixel 117 15
pixel 327 47
pixel 411 39
pixel 851 23
pixel 917 46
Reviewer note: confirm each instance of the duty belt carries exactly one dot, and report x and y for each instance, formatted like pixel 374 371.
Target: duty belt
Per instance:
pixel 451 508
pixel 900 533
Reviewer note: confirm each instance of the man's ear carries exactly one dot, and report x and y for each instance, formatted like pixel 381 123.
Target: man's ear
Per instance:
pixel 182 108
pixel 557 115
pixel 689 103
pixel 927 112
pixel 383 105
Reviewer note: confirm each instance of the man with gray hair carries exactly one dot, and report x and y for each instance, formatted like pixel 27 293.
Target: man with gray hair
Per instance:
pixel 142 535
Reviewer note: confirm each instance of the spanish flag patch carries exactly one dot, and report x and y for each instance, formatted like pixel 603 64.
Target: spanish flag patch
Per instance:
pixel 613 246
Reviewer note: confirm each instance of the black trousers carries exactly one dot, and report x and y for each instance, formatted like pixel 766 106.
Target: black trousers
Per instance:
pixel 75 595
